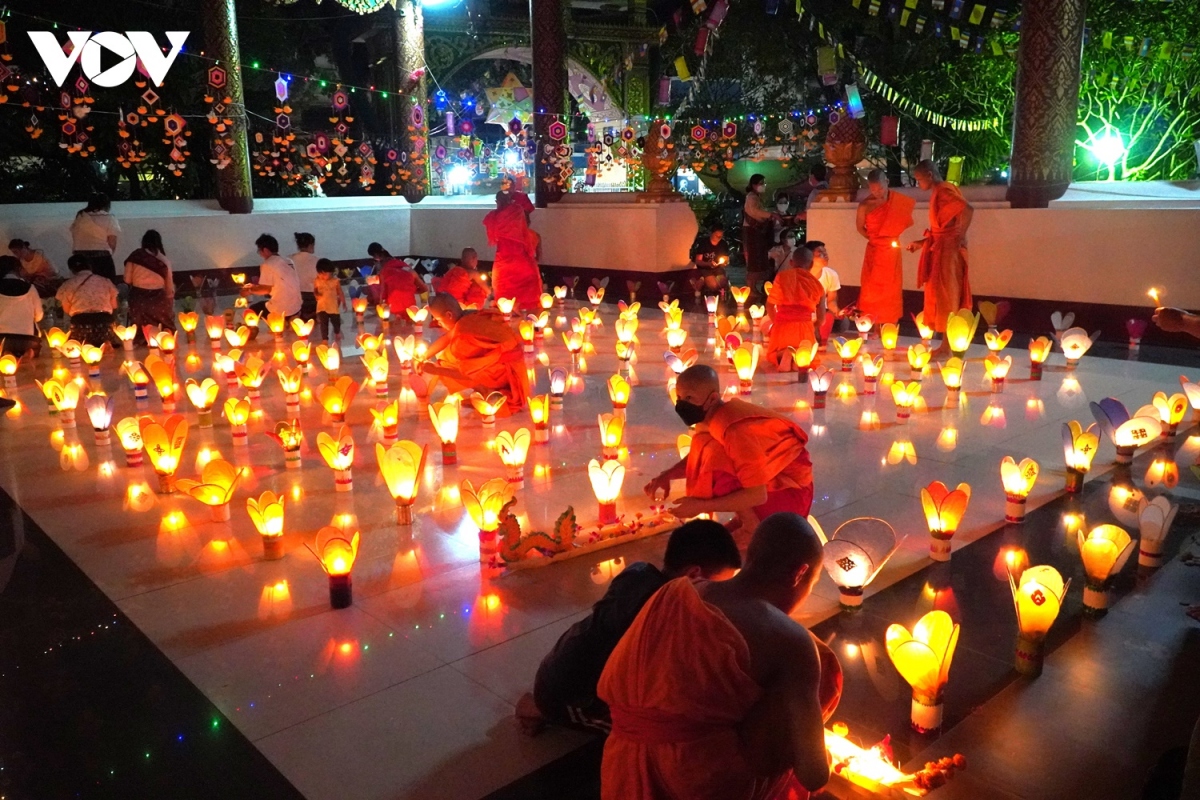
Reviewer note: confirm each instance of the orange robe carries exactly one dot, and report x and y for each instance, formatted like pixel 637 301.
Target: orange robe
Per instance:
pixel 678 685
pixel 458 283
pixel 710 471
pixel 881 293
pixel 943 267
pixel 795 293
pixel 489 355
pixel 515 271
pixel 766 448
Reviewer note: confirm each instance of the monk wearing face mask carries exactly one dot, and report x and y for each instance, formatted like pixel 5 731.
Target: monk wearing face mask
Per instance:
pixel 766 451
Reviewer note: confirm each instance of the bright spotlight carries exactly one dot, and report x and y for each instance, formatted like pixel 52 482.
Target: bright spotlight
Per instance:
pixel 459 176
pixel 1109 148
pixel 511 158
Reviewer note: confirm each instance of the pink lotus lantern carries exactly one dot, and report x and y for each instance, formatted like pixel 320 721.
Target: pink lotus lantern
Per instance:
pixel 1136 328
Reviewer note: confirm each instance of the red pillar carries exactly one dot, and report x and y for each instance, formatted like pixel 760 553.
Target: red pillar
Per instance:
pixel 549 41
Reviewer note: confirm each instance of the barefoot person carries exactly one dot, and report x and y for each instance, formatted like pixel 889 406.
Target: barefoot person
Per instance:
pixel 715 692
pixel 796 306
pixel 515 272
pixel 943 267
pixel 767 452
pixel 882 217
pixel 564 691
pixel 478 351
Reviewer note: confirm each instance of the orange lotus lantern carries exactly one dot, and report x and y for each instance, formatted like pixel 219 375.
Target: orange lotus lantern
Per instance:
pixel 1039 351
pixel 203 396
pixel 1018 481
pixel 997 370
pixel 745 363
pixel 1037 597
pixel 606 479
pixel 612 430
pixel 445 424
pixel 539 414
pixel 997 341
pixel 92 356
pixel 289 436
pixel 337 550
pixel 339 455
pixel 250 318
pixel 276 324
pixel 188 322
pixel 266 512
pixel 164 380
pixel 376 362
pixel 486 507
pixel 847 350
pixel 944 510
pixel 526 330
pixel 905 397
pixel 251 375
pixel 1104 550
pixel 923 659
pixel 388 420
pixel 359 306
pixel 163 443
pixel 384 313
pixel 514 449
pixel 330 358
pixel 126 333
pixel 129 432
pixel 918 360
pixel 100 413
pixel 303 328
pixel 238 413
pixel 215 328
pixel 218 480
pixel 619 392
pixel 488 406
pixel 238 337
pixel 336 397
pixel 302 352
pixel 803 357
pixel 1079 448
pixel 401 466
pixel 740 295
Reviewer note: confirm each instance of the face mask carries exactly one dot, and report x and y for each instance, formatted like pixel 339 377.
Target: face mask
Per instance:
pixel 781 206
pixel 690 413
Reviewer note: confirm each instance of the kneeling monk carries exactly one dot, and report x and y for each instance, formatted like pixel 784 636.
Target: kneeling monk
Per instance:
pixel 796 304
pixel 478 351
pixel 768 453
pixel 715 692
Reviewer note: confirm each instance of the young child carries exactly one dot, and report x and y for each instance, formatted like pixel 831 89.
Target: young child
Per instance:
pixel 331 301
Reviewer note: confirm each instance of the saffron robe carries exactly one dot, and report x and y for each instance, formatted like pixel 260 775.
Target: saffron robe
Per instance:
pixel 515 270
pixel 882 282
pixel 398 287
pixel 795 294
pixel 459 284
pixel 484 349
pixel 766 448
pixel 942 270
pixel 710 472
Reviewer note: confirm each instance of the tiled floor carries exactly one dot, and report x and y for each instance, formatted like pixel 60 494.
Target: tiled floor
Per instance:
pixel 409 693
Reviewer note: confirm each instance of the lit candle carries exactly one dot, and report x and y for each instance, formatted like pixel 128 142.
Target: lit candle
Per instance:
pixel 1018 481
pixel 238 413
pixel 266 512
pixel 539 413
pixel 485 507
pixel 218 480
pixel 445 423
pixel 944 510
pixel 1037 597
pixel 163 443
pixel 1039 351
pixel 203 395
pixel 336 551
pixel 514 449
pixel 606 479
pixel 401 466
pixel 1104 551
pixel 289 436
pixel 1156 295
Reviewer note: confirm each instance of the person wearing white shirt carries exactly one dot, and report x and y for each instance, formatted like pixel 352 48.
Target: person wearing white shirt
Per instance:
pixel 276 278
pixel 20 310
pixel 305 262
pixel 827 276
pixel 94 236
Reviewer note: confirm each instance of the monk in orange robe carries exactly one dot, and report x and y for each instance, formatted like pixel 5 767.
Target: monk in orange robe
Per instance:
pixel 767 451
pixel 707 470
pixel 795 302
pixel 943 267
pixel 715 692
pixel 882 217
pixel 463 281
pixel 478 351
pixel 515 272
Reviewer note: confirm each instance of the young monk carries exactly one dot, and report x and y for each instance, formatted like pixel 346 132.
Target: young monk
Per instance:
pixel 463 281
pixel 796 301
pixel 399 285
pixel 564 692
pixel 478 351
pixel 767 452
pixel 942 270
pixel 882 217
pixel 515 271
pixel 715 692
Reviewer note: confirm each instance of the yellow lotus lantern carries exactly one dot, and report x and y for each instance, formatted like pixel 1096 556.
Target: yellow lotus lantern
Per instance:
pixel 819 381
pixel 673 317
pixel 1104 550
pixel 889 335
pixel 923 659
pixel 626 330
pixel 1018 481
pixel 1170 410
pixel 384 313
pixel 336 397
pixel 1079 448
pixel 547 300
pixel 238 413
pixel 505 305
pixel 847 350
pixel 745 363
pixel 855 554
pixel 863 322
pixel 606 479
pixel 997 370
pixel 303 328
pixel 251 375
pixel 164 380
pixel 302 352
pixel 676 338
pixel 1075 342
pixel 163 443
pixel 756 315
pixel 401 466
pixel 359 306
pixel 129 432
pixel 539 414
pixel 218 480
pixel 619 391
pixel 525 329
pixel 337 550
pixel 445 424
pixel 514 449
pixel 266 512
pixel 923 329
pixel 960 330
pixel 740 295
pixel 250 319
pixel 952 377
pixel 238 278
pixel 203 396
pixel 558 387
pixel 944 510
pixel 485 507
pixel 339 455
pixel 918 359
pixel 376 362
pixel 997 341
pixel 560 294
pixel 871 368
pixel 65 399
pixel 8 368
pixel 369 342
pixel 905 395
pixel 803 357
pixel 92 356
pixel 488 406
pixel 126 333
pixel 166 343
pixel 330 358
pixel 612 430
pixel 100 409
pixel 237 337
pixel 73 351
pixel 1037 597
pixel 56 338
pixel 387 419
pixel 289 436
pixel 1155 518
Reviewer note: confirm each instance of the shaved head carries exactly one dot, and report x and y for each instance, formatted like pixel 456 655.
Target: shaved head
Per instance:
pixel 785 553
pixel 699 381
pixel 929 168
pixel 878 177
pixel 446 310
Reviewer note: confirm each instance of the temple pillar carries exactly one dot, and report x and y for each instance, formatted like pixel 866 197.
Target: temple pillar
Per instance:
pixel 549 42
pixel 1044 119
pixel 408 120
pixel 234 191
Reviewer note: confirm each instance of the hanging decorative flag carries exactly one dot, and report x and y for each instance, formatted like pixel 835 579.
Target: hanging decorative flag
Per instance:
pixel 729 131
pixel 997 49
pixel 681 69
pixel 889 131
pixel 904 18
pixel 177 134
pixel 827 65
pixel 699 133
pixel 366 173
pixel 698 6
pixel 854 103
pixel 664 91
pixel 956 8
pixel 715 17
pixel 998 17
pixel 919 25
pixel 1145 51
pixel 218 116
pixel 702 40
pixel 939 28
pixel 939 5
pixel 977 14
pixel 772 7
pixel 873 9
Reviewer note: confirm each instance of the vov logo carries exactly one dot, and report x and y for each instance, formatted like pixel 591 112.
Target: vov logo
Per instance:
pixel 86 48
